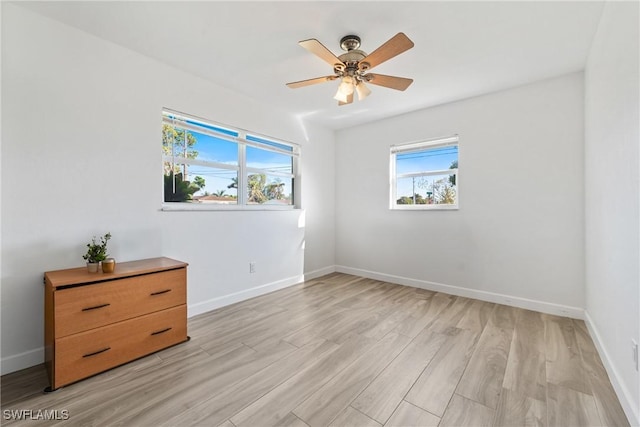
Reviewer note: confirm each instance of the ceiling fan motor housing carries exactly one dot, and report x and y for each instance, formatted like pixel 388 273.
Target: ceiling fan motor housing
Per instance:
pixel 350 42
pixel 351 59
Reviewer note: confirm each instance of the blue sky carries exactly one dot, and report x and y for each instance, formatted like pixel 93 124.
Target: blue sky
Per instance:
pixel 215 149
pixel 436 159
pixel 223 151
pixel 421 161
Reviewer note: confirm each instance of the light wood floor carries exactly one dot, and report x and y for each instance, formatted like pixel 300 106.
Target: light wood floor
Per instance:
pixel 347 351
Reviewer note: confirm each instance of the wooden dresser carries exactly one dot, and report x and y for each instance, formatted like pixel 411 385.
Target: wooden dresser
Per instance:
pixel 96 321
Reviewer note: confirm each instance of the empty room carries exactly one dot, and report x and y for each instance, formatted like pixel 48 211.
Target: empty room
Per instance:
pixel 318 213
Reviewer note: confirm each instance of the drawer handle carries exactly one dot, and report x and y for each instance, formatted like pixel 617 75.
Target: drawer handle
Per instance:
pixel 97 352
pixel 162 331
pixel 160 292
pixel 95 307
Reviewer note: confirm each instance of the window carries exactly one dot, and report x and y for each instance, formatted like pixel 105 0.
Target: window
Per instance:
pixel 424 175
pixel 205 165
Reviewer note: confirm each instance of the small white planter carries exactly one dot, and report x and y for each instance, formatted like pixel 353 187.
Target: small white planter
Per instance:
pixel 92 267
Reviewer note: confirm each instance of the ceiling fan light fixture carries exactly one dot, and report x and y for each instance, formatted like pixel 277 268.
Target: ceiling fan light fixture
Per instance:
pixel 362 90
pixel 340 96
pixel 346 85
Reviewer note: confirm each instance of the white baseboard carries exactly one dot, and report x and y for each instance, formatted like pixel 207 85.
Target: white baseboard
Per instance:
pixel 319 272
pixel 20 361
pixel 541 306
pixel 624 396
pixel 212 304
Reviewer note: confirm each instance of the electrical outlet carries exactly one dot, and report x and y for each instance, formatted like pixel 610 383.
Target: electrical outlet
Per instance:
pixel 252 267
pixel 634 351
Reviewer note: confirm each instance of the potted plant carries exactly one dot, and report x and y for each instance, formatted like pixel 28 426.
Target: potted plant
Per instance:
pixel 96 252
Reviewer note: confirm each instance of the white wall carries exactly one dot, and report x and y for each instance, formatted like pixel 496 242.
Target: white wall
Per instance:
pixel 80 156
pixel 612 197
pixel 518 235
pixel 318 199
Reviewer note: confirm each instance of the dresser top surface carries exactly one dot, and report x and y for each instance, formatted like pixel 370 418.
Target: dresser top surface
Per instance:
pixel 80 275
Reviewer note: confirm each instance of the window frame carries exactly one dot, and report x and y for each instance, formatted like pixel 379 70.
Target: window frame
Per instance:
pixel 241 168
pixel 417 146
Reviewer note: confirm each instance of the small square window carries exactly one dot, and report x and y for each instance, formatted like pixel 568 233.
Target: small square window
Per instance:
pixel 424 175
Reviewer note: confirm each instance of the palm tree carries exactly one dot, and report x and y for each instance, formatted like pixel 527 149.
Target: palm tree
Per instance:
pixel 275 190
pixel 256 188
pixel 199 182
pixel 173 144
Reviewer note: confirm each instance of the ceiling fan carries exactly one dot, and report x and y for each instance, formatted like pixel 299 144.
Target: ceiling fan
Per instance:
pixel 352 67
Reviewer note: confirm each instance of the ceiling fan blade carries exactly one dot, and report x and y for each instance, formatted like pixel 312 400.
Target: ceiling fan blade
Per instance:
pixel 318 49
pixel 393 47
pixel 309 82
pixel 397 83
pixel 349 100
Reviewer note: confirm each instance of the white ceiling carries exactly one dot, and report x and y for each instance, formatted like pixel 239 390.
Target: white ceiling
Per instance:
pixel 462 49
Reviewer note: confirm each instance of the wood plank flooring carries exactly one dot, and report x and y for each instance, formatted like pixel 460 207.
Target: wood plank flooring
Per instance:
pixel 343 350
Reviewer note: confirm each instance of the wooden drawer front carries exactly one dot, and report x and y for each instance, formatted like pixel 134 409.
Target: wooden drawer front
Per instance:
pixel 88 353
pixel 91 306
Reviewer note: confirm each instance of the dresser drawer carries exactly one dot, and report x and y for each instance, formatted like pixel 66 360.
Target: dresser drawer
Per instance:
pixel 94 305
pixel 88 353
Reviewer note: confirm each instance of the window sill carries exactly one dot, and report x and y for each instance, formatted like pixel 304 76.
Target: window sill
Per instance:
pixel 425 208
pixel 192 207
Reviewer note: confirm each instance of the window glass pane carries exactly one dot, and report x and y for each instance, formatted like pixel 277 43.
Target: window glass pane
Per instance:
pixel 214 149
pixel 202 184
pixel 427 160
pixel 268 189
pixel 269 161
pixel 407 188
pixel 199 146
pixel 214 185
pixel 271 143
pixel 427 190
